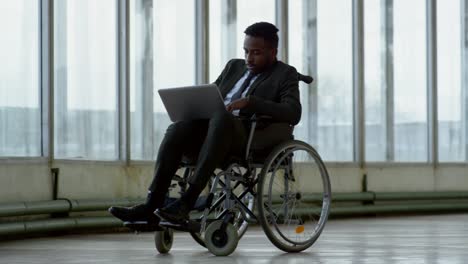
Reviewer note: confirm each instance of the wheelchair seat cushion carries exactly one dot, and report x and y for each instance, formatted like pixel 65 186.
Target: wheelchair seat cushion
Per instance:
pixel 266 137
pixel 270 135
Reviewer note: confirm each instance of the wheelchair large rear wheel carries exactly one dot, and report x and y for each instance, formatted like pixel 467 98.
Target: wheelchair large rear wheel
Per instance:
pixel 294 196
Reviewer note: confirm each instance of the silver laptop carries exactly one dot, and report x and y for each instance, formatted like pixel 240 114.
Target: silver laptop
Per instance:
pixel 192 102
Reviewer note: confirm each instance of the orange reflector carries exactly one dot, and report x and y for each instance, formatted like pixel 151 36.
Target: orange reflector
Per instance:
pixel 299 229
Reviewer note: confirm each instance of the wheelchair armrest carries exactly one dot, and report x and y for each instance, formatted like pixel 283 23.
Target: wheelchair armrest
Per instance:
pixel 256 118
pixel 261 122
pixel 253 121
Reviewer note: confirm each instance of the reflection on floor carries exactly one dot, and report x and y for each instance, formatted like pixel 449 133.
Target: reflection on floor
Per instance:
pixel 406 239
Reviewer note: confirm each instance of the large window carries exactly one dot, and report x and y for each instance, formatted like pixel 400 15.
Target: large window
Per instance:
pixel 395 81
pixel 410 85
pixel 299 33
pixel 162 55
pixel 377 57
pixel 20 118
pixel 228 20
pixel 324 50
pixel 452 121
pixel 334 80
pixel 85 79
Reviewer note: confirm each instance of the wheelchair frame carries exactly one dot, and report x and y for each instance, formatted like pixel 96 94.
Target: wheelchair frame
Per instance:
pixel 232 214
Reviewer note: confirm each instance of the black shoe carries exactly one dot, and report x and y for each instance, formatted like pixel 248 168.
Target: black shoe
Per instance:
pixel 137 213
pixel 176 212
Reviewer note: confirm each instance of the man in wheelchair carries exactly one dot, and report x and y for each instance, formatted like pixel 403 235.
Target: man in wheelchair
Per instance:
pixel 259 85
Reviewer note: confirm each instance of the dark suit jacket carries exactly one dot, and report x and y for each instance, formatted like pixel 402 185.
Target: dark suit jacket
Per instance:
pixel 274 93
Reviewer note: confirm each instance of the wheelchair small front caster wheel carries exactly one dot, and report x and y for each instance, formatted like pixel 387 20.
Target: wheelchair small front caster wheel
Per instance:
pixel 221 242
pixel 163 240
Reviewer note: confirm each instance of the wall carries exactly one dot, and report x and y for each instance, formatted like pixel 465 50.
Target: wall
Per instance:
pixel 31 180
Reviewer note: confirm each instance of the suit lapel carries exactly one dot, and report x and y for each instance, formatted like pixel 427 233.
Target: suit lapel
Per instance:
pixel 258 81
pixel 238 73
pixel 233 80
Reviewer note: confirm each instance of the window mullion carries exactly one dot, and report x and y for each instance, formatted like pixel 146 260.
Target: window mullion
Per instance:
pixel 431 27
pixel 123 76
pixel 229 26
pixel 388 92
pixel 282 24
pixel 358 81
pixel 202 41
pixel 464 74
pixel 46 77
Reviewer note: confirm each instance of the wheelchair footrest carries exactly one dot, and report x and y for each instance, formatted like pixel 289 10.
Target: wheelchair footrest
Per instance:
pixel 200 204
pixel 142 226
pixel 186 226
pixel 169 200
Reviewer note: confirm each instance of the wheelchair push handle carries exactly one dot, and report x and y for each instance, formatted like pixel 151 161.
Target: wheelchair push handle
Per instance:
pixel 305 78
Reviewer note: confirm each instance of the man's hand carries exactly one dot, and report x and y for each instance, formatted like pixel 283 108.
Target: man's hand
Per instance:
pixel 238 104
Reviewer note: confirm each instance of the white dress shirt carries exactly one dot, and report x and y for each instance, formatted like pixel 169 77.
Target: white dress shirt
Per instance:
pixel 237 86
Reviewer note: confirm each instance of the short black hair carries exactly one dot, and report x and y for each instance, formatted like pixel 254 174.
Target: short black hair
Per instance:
pixel 265 30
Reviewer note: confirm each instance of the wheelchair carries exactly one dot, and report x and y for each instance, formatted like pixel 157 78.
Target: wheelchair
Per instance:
pixel 285 188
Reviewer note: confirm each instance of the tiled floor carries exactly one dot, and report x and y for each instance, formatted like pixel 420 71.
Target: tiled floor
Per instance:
pixel 406 239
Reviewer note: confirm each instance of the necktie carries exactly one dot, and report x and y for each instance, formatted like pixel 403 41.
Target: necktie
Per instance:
pixel 244 86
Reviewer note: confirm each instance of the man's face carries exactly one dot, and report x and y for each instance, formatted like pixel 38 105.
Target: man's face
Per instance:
pixel 258 54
